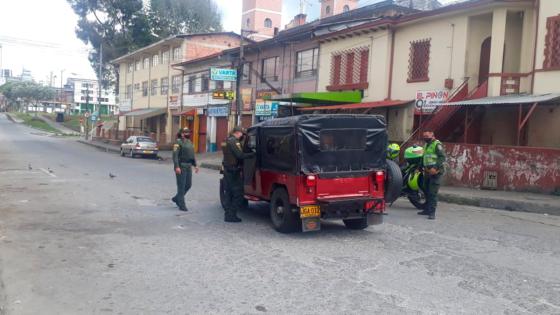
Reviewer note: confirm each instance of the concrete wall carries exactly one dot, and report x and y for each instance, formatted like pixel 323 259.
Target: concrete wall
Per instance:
pixel 519 168
pixel 499 126
pixel 544 127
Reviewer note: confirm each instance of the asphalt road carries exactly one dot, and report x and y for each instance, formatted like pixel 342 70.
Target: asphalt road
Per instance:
pixel 75 241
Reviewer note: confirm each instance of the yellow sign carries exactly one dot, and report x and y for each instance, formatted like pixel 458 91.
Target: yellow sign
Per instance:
pixel 223 95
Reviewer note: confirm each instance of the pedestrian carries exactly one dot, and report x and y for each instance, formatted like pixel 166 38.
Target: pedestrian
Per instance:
pixel 232 163
pixel 432 164
pixel 183 162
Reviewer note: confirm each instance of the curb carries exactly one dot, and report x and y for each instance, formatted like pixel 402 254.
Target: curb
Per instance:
pixel 100 147
pixel 501 204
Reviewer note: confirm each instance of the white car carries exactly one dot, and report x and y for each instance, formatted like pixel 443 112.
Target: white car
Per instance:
pixel 139 145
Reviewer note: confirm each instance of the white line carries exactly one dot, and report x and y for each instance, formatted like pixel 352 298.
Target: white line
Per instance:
pixel 47 172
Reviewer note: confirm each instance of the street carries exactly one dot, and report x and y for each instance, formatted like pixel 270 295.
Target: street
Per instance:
pixel 73 240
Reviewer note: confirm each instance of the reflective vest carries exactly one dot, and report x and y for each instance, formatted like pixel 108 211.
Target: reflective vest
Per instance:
pixel 430 154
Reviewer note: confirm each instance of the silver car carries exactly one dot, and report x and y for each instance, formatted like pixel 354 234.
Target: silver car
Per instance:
pixel 139 145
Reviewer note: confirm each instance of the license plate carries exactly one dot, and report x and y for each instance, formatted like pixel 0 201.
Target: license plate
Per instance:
pixel 310 211
pixel 148 151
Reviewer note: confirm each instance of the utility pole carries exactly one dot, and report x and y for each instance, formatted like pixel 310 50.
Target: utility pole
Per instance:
pixel 239 99
pixel 87 110
pixel 99 77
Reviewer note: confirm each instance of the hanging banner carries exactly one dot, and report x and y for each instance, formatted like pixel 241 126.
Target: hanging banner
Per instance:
pixel 218 74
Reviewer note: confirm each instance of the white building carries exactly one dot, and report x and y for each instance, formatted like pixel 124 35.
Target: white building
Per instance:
pixel 86 97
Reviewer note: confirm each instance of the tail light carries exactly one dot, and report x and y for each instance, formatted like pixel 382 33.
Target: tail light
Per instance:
pixel 379 179
pixel 310 181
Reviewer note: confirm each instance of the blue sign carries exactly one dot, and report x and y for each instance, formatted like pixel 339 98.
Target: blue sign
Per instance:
pixel 218 74
pixel 94 116
pixel 222 111
pixel 266 109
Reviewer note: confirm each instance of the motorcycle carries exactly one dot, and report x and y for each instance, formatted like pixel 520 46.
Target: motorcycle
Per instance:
pixel 413 177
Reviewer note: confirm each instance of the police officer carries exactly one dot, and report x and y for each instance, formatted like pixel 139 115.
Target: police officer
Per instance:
pixel 183 162
pixel 434 157
pixel 232 163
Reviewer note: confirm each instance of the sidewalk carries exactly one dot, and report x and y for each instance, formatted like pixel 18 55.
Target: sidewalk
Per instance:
pixel 503 200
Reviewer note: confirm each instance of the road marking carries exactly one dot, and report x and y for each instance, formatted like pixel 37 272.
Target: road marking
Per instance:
pixel 47 172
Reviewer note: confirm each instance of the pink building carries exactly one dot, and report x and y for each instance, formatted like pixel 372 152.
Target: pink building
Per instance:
pixel 334 7
pixel 261 18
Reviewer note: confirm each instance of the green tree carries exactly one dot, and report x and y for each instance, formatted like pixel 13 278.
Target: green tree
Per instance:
pixel 26 93
pixel 125 25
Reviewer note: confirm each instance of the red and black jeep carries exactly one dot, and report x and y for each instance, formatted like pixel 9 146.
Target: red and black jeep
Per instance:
pixel 314 167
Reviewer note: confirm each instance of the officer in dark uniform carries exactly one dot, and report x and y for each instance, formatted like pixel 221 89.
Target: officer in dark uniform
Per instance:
pixel 433 160
pixel 183 162
pixel 232 163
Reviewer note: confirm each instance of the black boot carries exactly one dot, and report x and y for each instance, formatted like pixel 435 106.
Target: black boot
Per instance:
pixel 233 219
pixel 432 216
pixel 423 212
pixel 174 199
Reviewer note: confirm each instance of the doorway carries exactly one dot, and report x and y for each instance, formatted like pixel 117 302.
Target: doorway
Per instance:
pixel 484 68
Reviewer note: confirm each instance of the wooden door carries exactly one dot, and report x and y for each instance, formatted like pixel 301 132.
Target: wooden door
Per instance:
pixel 202 130
pixel 484 69
pixel 221 131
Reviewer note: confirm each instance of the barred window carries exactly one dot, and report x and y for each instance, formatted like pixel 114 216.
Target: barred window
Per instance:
pixel 165 57
pixel 128 92
pixel 155 60
pixel 419 61
pixel 270 69
pixel 145 88
pixel 146 63
pixel 349 69
pixel 176 84
pixel 130 67
pixel 552 44
pixel 154 87
pixel 177 53
pixel 137 66
pixel 164 86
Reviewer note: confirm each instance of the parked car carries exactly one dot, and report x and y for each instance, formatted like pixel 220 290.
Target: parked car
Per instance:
pixel 315 167
pixel 139 145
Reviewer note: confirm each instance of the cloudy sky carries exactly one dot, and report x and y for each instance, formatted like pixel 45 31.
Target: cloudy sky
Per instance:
pixel 38 35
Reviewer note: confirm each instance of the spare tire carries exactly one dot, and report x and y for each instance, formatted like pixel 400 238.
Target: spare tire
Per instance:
pixel 393 182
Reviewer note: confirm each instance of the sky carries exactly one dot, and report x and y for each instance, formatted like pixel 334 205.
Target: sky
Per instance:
pixel 42 39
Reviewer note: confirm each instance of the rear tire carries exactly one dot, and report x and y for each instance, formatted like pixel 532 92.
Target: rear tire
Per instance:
pixel 356 224
pixel 393 183
pixel 283 218
pixel 418 199
pixel 131 154
pixel 223 193
pixel 122 152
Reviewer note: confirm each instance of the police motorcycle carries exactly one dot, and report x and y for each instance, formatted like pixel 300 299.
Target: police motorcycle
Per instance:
pixel 412 174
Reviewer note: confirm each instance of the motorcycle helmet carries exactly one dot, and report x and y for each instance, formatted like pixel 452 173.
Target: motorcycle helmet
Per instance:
pixel 393 151
pixel 414 154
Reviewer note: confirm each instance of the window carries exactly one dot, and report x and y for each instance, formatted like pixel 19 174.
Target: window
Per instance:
pixel 130 67
pixel 165 57
pixel 248 22
pixel 176 84
pixel 145 88
pixel 278 149
pixel 155 60
pixel 128 92
pixel 247 67
pixel 346 8
pixel 192 81
pixel 177 53
pixel 342 139
pixel 349 69
pixel 138 65
pixel 164 86
pixel 307 62
pixel 205 83
pixel 419 61
pixel 136 86
pixel 328 9
pixel 218 85
pixel 268 23
pixel 552 44
pixel 146 63
pixel 269 69
pixel 154 85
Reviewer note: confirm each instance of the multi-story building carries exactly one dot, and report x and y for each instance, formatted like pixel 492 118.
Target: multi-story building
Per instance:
pixel 85 97
pixel 150 86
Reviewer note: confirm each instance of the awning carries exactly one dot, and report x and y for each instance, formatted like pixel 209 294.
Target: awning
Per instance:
pixel 145 113
pixel 368 105
pixel 186 112
pixel 320 98
pixel 514 99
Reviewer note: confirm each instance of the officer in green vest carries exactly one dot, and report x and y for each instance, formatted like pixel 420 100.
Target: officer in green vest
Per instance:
pixel 232 164
pixel 434 158
pixel 183 162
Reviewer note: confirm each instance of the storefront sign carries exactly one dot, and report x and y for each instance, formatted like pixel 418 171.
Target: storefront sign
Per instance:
pixel 428 101
pixel 221 111
pixel 125 106
pixel 265 94
pixel 173 101
pixel 202 99
pixel 218 74
pixel 266 109
pixel 223 95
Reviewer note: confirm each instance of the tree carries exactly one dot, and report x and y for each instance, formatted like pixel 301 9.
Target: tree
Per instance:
pixel 170 17
pixel 17 92
pixel 125 25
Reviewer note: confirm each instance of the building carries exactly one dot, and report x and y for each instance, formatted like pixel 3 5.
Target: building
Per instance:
pixel 150 86
pixel 83 94
pixel 423 5
pixel 261 19
pixel 335 7
pixel 482 73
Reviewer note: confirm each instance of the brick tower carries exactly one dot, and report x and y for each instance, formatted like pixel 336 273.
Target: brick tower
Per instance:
pixel 334 7
pixel 262 17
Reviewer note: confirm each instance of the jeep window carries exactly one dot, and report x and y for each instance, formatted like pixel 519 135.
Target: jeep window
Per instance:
pixel 343 139
pixel 278 149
